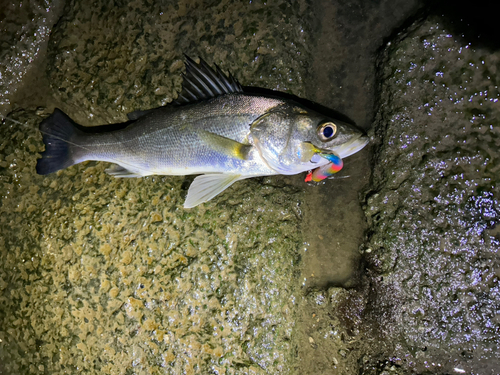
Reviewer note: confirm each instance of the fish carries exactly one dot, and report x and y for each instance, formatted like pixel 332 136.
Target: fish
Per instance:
pixel 215 129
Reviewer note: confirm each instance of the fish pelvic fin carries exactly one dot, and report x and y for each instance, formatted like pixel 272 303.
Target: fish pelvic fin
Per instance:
pixel 58 132
pixel 205 187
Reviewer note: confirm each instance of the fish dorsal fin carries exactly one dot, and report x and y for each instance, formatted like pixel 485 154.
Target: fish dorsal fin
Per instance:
pixel 205 187
pixel 201 82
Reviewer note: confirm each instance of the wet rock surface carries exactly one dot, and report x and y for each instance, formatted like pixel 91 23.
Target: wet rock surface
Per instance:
pixel 433 208
pixel 346 37
pixel 105 275
pixel 24 33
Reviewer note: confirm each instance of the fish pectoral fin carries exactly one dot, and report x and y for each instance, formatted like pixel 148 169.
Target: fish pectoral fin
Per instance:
pixel 120 172
pixel 205 187
pixel 225 145
pixel 306 151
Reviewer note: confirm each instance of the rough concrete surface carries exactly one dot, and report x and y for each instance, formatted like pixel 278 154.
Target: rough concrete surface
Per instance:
pixel 103 275
pixel 99 275
pixel 433 208
pixel 113 276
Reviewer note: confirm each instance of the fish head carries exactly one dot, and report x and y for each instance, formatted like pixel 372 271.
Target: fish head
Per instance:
pixel 290 139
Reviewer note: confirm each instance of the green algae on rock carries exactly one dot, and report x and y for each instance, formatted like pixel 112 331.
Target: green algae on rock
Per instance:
pixel 433 207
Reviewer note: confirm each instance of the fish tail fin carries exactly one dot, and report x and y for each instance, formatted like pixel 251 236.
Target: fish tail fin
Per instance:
pixel 58 132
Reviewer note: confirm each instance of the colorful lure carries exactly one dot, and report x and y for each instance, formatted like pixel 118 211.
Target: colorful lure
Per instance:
pixel 326 170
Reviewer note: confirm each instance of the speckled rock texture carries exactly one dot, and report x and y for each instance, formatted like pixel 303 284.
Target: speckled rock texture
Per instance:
pixel 116 57
pixel 99 275
pixel 24 33
pixel 433 207
pixel 104 275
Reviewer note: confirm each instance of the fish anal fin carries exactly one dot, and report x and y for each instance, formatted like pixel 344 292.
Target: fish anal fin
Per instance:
pixel 205 187
pixel 120 172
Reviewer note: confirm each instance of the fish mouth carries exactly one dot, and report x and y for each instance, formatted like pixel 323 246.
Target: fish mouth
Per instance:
pixel 351 147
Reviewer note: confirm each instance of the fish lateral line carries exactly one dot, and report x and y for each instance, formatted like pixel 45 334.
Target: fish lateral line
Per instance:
pixel 43 132
pixel 46 133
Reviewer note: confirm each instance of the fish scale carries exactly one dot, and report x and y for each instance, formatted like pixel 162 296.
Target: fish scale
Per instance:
pixel 149 146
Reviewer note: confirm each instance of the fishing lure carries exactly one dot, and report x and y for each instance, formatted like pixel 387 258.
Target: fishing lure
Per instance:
pixel 327 170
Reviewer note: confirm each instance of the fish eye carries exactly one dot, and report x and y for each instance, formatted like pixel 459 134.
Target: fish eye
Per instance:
pixel 326 131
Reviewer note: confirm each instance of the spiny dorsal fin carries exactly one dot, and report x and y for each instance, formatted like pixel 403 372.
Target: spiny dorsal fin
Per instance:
pixel 201 82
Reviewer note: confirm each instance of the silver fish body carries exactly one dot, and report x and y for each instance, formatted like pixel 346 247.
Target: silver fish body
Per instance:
pixel 192 139
pixel 226 136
